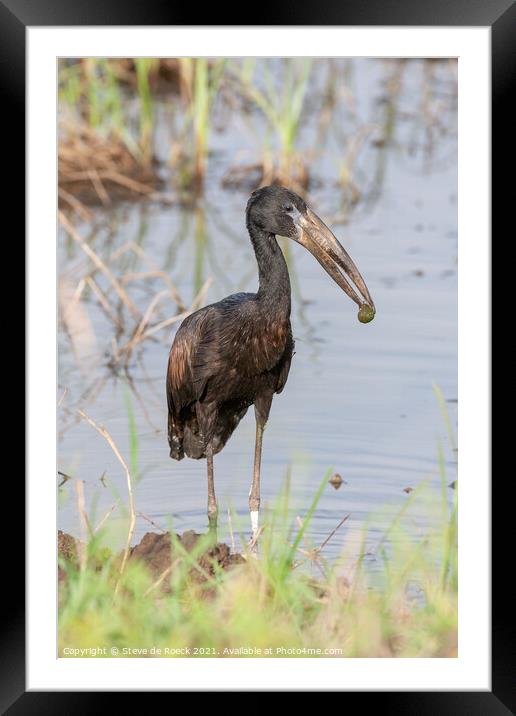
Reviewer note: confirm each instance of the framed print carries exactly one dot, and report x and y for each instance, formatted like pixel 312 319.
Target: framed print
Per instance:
pixel 259 353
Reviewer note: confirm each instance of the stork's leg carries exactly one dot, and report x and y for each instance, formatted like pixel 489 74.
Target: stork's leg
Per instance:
pixel 254 494
pixel 212 500
pixel 262 407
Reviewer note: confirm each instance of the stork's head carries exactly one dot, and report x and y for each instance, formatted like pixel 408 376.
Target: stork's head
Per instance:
pixel 282 212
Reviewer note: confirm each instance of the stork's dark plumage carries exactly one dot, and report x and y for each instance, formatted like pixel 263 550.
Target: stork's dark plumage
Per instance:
pixel 237 352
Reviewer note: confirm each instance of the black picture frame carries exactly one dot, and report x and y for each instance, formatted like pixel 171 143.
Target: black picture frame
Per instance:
pixel 500 16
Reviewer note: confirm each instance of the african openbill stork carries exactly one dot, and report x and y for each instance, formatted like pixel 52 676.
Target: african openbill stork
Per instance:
pixel 237 352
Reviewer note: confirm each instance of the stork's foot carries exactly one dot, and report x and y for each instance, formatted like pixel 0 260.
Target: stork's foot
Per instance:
pixel 252 547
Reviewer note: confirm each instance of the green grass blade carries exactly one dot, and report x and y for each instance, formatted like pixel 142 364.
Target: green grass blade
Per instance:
pixel 308 516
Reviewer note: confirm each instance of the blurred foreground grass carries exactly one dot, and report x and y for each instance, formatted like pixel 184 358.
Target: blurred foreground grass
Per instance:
pixel 270 605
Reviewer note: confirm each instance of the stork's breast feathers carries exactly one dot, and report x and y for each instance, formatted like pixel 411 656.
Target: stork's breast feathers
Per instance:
pixel 277 339
pixel 259 347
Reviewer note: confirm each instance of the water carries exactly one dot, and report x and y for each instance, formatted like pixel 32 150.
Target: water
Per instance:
pixel 359 398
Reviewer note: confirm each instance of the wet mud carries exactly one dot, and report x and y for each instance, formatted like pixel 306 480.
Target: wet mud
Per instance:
pixel 159 555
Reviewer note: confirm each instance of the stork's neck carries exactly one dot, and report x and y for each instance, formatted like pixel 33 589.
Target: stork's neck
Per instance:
pixel 272 269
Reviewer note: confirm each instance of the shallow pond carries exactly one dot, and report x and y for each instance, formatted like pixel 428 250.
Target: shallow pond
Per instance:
pixel 359 399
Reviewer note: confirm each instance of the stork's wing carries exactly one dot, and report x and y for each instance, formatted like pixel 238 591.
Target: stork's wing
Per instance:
pixel 189 360
pixel 285 364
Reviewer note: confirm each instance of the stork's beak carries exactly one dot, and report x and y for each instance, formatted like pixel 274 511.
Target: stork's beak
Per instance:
pixel 315 236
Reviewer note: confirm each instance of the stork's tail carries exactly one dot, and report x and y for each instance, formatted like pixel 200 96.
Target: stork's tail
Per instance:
pixel 175 439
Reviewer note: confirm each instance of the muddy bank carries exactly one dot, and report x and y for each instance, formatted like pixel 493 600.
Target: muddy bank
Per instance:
pixel 159 555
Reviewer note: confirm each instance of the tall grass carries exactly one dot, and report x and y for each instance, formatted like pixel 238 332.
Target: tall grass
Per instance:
pixel 117 98
pixel 144 67
pixel 133 434
pixel 200 82
pixel 282 107
pixel 93 90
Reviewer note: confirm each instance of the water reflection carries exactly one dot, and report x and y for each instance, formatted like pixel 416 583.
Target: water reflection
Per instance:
pixel 359 399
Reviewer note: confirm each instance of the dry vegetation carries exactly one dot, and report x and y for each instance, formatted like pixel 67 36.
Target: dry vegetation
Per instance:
pixel 131 328
pixel 94 169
